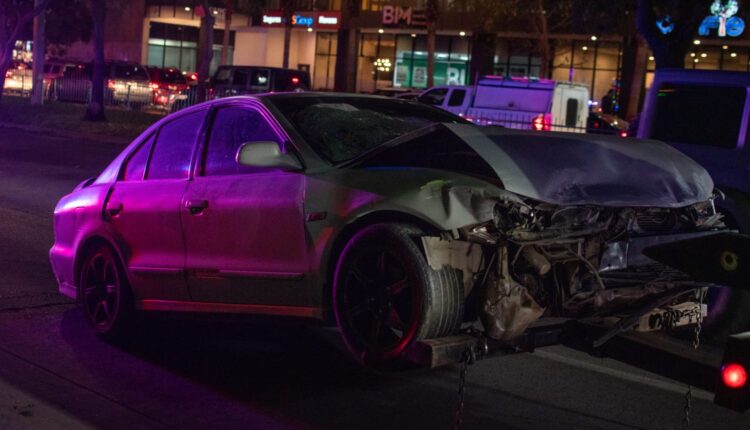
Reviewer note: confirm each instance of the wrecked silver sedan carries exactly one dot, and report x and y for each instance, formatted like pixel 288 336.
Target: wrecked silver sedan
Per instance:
pixel 397 221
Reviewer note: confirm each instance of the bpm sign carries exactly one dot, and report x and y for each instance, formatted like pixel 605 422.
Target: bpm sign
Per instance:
pixel 397 15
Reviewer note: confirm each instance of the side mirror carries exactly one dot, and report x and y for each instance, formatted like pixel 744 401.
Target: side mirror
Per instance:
pixel 266 154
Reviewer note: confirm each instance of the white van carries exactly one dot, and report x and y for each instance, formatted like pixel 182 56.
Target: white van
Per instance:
pixel 536 104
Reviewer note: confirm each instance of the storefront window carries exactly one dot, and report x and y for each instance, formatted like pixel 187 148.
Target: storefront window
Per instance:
pixel 451 61
pixel 326 46
pixel 516 58
pixel 177 46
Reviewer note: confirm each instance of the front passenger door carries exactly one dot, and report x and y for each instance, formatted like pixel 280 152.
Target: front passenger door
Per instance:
pixel 244 227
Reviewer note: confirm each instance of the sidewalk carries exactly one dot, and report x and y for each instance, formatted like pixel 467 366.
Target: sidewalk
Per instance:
pixel 20 410
pixel 66 120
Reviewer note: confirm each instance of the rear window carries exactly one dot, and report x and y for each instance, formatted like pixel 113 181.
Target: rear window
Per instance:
pixel 699 114
pixel 79 71
pixel 130 71
pixel 223 75
pixel 171 77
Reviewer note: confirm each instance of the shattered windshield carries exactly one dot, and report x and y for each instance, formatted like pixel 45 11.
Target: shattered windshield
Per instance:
pixel 342 128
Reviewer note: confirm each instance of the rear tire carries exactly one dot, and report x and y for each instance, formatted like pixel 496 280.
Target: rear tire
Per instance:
pixel 386 296
pixel 105 294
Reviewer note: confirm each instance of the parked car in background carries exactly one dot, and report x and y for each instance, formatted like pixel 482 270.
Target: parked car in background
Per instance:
pixel 168 85
pixel 521 103
pixel 601 123
pixel 237 80
pixel 18 77
pixel 125 83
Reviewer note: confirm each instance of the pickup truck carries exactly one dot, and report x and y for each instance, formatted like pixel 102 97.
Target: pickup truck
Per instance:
pixel 521 103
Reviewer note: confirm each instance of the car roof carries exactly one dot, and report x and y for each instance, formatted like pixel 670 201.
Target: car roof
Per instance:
pixel 319 94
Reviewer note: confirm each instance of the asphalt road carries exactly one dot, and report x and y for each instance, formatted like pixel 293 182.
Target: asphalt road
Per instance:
pixel 262 373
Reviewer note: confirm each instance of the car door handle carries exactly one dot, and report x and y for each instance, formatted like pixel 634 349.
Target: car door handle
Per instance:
pixel 114 208
pixel 196 206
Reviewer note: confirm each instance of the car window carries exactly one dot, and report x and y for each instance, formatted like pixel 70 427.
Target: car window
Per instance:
pixel 457 97
pixel 259 79
pixel 434 97
pixel 129 71
pixel 240 78
pixel 79 71
pixel 571 112
pixel 174 147
pixel 232 127
pixel 171 76
pixel 223 75
pixel 136 166
pixel 699 114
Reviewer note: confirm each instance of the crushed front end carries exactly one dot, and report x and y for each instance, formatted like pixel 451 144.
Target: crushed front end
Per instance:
pixel 534 260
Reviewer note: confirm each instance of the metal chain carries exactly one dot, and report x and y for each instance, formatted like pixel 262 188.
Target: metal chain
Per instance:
pixel 688 407
pixel 468 358
pixel 696 345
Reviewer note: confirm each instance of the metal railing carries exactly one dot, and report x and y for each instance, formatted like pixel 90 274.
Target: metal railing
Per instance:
pixel 122 94
pixel 141 96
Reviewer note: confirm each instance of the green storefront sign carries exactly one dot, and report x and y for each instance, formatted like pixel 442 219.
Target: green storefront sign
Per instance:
pixel 412 72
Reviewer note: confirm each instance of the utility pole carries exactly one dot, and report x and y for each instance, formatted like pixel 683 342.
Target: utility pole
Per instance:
pixel 37 70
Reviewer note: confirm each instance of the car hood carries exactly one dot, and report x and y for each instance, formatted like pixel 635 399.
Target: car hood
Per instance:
pixel 572 169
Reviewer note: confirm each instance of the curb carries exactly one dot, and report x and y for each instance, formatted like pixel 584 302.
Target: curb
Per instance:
pixel 109 140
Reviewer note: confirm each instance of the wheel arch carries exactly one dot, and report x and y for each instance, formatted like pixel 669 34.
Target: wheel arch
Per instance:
pixel 347 232
pixel 86 246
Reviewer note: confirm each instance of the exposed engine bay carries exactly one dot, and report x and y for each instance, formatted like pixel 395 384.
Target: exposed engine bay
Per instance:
pixel 536 260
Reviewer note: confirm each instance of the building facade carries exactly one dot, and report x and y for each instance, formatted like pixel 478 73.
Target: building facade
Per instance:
pixel 391 51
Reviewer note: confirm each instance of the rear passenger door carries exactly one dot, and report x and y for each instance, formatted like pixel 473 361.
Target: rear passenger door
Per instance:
pixel 143 208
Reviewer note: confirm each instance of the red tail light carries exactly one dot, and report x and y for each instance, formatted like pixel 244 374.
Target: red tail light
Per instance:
pixel 194 77
pixel 541 123
pixel 733 375
pixel 623 134
pixel 154 86
pixel 110 84
pixel 295 80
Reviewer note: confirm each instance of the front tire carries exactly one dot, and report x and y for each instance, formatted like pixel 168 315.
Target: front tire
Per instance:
pixel 386 296
pixel 105 294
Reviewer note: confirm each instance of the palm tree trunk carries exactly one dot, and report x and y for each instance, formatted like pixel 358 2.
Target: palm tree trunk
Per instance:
pixel 95 109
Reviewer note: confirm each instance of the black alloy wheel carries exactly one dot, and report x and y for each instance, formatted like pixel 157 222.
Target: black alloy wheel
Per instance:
pixel 105 294
pixel 386 296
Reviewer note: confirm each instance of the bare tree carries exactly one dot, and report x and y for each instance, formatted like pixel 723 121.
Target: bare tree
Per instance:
pixel 15 15
pixel 431 14
pixel 205 49
pixel 37 72
pixel 228 9
pixel 95 109
pixel 346 52
pixel 287 6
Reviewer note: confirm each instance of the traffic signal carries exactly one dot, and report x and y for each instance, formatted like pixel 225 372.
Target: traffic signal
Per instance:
pixel 733 387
